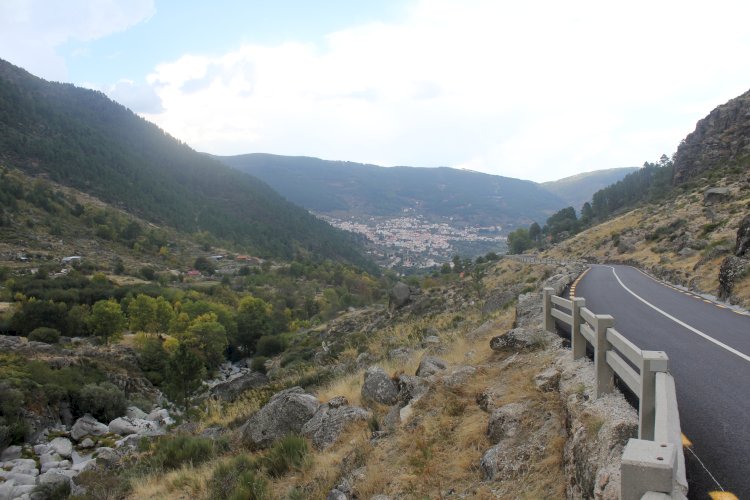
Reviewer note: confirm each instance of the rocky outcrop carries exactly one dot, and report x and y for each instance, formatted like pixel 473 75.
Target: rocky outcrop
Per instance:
pixel 399 295
pixel 87 426
pixel 742 245
pixel 286 412
pixel 378 387
pixel 732 268
pixel 330 420
pixel 234 387
pixel 719 139
pixel 430 365
pixel 716 195
pixel 522 339
pixel 506 421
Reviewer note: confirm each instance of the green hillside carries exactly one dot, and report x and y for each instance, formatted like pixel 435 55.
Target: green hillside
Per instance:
pixel 82 139
pixel 578 189
pixel 359 189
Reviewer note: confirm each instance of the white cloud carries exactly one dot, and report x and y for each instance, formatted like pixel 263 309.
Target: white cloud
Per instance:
pixel 31 31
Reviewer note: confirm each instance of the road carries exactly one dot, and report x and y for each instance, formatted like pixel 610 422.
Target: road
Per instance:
pixel 709 355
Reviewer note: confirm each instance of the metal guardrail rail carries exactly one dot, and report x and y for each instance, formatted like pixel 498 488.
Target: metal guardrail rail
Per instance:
pixel 653 466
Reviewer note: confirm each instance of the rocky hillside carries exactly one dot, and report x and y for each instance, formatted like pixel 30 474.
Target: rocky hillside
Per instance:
pixel 453 390
pixel 720 139
pixel 578 189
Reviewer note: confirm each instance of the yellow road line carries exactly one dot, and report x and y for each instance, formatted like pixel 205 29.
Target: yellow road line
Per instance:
pixel 722 495
pixel 686 443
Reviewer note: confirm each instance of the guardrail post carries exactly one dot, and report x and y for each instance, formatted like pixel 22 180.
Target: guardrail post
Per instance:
pixel 604 374
pixel 651 363
pixel 549 321
pixel 646 466
pixel 577 341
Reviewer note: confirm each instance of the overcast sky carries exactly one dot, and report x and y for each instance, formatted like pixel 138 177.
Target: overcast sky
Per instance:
pixel 536 90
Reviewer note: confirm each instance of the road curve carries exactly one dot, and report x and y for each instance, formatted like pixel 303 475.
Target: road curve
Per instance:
pixel 709 355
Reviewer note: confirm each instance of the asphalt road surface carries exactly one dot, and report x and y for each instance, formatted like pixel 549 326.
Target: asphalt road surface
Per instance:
pixel 709 356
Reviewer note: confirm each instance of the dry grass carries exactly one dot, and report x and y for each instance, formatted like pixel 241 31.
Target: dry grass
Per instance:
pixel 186 482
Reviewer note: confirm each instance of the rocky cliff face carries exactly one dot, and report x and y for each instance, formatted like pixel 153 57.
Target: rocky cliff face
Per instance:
pixel 721 138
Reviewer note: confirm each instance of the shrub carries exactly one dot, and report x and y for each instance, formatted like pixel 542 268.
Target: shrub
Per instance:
pixel 45 334
pixel 53 491
pixel 269 345
pixel 259 364
pixel 237 478
pixel 104 401
pixel 173 452
pixel 289 453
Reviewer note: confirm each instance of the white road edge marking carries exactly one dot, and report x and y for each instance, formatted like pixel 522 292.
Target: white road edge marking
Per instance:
pixel 681 323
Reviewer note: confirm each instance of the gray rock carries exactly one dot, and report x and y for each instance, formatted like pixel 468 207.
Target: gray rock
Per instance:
pixel 11 453
pixel 528 310
pixel 378 387
pixel 40 449
pixel 130 441
pixel 505 421
pixel 48 457
pixel 62 446
pixel 399 295
pixel 125 426
pixel 521 338
pixel 232 389
pixel 22 466
pixel 742 245
pixel 335 494
pixel 328 422
pixel 18 478
pixel 716 195
pixel 506 461
pixel 430 365
pixel 459 376
pixel 86 443
pixel 400 354
pixel 731 269
pixel 54 476
pixel 365 359
pixel 135 412
pixel 160 416
pixel 84 465
pixel 430 341
pixel 107 455
pixel 87 426
pixel 392 419
pixel 285 413
pixel 411 387
pixel 548 380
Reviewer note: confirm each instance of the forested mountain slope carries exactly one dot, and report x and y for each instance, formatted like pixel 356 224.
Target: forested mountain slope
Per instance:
pixel 81 138
pixel 337 187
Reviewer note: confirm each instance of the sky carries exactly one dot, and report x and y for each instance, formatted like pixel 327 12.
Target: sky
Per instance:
pixel 535 90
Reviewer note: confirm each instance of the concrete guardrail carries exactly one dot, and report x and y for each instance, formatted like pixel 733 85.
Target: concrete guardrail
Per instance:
pixel 653 466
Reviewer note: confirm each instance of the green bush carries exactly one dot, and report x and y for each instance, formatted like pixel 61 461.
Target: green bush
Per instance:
pixel 269 345
pixel 103 401
pixel 289 453
pixel 45 334
pixel 173 452
pixel 53 491
pixel 259 364
pixel 238 479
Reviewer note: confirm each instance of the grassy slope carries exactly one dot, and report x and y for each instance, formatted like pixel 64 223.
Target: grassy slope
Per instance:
pixel 690 219
pixel 441 447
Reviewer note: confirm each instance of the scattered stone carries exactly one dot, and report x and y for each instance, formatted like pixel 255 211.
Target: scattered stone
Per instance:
pixel 400 354
pixel 125 426
pixel 505 421
pixel 54 476
pixel 40 449
pixel 506 460
pixel 160 416
pixel 548 380
pixel 62 446
pixel 430 341
pixel 86 443
pixel 430 365
pixel 328 422
pixel 285 413
pixel 18 478
pixel 335 494
pixel 378 387
pixel 87 426
pixel 106 454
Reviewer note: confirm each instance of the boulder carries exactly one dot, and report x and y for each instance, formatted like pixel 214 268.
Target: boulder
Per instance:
pixel 716 195
pixel 335 494
pixel 18 478
pixel 548 380
pixel 528 310
pixel 55 476
pixel 10 453
pixel 411 388
pixel 520 338
pixel 286 412
pixel 107 455
pixel 329 421
pixel 731 269
pixel 87 426
pixel 160 416
pixel 62 446
pixel 378 387
pixel 430 365
pixel 399 296
pixel 233 388
pixel 742 246
pixel 135 412
pixel 505 421
pixel 506 460
pixel 125 426
pixel 459 376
